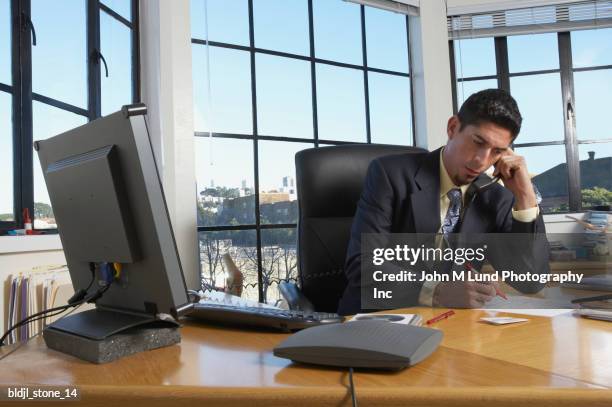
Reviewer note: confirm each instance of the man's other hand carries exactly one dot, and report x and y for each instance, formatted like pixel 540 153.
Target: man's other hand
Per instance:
pixel 464 294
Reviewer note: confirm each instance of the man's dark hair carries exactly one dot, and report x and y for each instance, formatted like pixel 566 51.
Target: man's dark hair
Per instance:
pixel 491 105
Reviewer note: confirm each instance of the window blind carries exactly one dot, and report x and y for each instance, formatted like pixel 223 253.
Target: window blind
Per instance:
pixel 408 7
pixel 553 18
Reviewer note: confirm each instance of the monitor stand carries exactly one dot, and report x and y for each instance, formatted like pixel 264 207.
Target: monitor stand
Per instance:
pixel 102 336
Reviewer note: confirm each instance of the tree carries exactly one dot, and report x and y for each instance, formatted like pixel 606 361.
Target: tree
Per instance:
pixel 42 210
pixel 211 249
pixel 596 196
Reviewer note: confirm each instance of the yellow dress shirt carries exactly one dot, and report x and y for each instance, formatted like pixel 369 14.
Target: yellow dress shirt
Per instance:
pixel 446 184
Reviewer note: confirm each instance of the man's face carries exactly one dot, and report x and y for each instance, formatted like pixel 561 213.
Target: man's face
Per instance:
pixel 472 150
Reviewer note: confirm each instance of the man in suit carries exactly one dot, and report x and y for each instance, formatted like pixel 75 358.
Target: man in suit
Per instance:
pixel 435 193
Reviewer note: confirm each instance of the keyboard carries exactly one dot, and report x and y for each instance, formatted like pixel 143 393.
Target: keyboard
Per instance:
pixel 261 317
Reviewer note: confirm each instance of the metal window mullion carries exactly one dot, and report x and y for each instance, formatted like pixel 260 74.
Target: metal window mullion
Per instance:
pixel 16 107
pixel 118 17
pixel 136 96
pixel 571 144
pixel 501 62
pixel 410 81
pixel 59 104
pixel 22 112
pixel 255 151
pixel 366 87
pixel 453 70
pixel 313 75
pixel 94 80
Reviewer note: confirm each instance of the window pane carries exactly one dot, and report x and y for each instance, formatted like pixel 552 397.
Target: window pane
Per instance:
pixel 386 40
pixel 390 119
pixel 340 104
pixel 592 47
pixel 596 174
pixel 547 166
pixel 284 97
pixel 539 100
pixel 475 57
pixel 228 107
pixel 592 116
pixel 241 245
pixel 282 26
pixel 121 7
pixel 279 261
pixel 48 121
pixel 224 175
pixel 5 42
pixel 533 52
pixel 228 20
pixel 337 31
pixel 277 189
pixel 466 88
pixel 116 46
pixel 6 158
pixel 57 73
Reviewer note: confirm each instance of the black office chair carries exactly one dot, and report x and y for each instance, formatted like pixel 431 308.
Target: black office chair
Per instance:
pixel 329 184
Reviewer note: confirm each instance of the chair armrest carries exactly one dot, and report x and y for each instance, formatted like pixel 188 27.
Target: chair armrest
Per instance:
pixel 294 297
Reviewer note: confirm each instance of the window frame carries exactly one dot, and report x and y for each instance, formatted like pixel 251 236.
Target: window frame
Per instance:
pixel 23 97
pixel 566 71
pixel 316 141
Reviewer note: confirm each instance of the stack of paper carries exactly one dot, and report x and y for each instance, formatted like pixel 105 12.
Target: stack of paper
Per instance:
pixel 31 292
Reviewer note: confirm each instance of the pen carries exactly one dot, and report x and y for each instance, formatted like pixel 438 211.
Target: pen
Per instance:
pixel 498 292
pixel 440 317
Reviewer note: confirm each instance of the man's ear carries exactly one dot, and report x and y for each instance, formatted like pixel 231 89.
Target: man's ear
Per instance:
pixel 453 126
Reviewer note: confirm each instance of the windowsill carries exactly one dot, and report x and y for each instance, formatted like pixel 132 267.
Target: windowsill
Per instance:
pixel 25 244
pixel 41 243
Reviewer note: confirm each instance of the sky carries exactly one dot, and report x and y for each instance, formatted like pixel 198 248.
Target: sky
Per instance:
pixel 59 71
pixel 284 99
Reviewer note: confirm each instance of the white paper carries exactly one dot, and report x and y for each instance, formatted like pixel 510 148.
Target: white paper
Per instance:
pixel 503 320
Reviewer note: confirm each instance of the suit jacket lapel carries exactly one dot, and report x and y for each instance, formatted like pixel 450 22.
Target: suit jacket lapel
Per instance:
pixel 426 200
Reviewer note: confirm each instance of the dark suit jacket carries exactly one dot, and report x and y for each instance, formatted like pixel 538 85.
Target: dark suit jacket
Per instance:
pixel 401 194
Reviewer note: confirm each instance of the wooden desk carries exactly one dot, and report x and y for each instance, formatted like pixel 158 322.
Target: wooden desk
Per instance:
pixel 558 361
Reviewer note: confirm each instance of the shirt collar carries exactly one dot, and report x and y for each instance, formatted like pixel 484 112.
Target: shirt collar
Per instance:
pixel 446 184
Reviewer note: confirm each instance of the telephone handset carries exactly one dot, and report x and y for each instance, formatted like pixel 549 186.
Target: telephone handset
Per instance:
pixel 479 185
pixel 484 182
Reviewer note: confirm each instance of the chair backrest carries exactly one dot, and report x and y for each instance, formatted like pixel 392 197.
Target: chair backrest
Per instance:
pixel 329 184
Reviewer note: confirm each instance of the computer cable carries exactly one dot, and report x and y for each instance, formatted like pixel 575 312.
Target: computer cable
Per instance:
pixel 77 299
pixel 353 396
pixel 20 344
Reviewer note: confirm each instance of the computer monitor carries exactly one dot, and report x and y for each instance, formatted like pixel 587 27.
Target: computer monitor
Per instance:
pixel 109 206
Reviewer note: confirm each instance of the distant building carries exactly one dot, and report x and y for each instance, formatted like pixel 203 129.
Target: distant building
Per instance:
pixel 272 197
pixel 594 172
pixel 288 186
pixel 275 207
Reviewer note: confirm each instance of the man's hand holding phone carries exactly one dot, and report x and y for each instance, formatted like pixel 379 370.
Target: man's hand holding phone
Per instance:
pixel 512 169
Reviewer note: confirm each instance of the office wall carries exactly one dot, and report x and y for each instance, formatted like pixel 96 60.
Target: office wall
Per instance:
pixel 431 81
pixel 167 90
